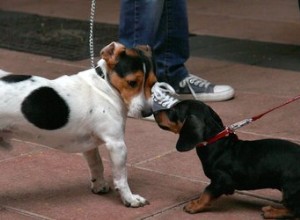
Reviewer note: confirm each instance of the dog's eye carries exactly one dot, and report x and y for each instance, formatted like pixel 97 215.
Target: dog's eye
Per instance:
pixel 132 83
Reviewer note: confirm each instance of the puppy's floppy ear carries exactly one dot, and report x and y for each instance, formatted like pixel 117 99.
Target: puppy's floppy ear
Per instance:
pixel 191 133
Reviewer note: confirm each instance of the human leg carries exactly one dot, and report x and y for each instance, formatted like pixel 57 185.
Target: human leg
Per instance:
pixel 139 20
pixel 171 51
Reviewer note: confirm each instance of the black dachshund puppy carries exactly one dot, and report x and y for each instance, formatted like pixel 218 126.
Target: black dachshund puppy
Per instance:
pixel 233 164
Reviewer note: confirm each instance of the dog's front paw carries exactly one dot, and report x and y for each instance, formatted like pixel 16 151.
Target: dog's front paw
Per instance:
pixel 135 201
pixel 99 187
pixel 195 206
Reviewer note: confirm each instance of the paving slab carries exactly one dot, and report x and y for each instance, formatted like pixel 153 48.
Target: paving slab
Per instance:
pixel 268 21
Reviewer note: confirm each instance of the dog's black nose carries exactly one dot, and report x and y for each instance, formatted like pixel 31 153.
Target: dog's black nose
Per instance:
pixel 147 113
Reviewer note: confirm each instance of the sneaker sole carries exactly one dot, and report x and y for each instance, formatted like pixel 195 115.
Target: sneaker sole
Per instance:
pixel 210 97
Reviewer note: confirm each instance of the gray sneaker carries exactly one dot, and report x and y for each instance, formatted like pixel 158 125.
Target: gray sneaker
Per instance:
pixel 195 87
pixel 164 96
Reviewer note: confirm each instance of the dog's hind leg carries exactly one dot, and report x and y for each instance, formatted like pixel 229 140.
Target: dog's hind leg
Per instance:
pixel 270 212
pixel 291 197
pixel 98 183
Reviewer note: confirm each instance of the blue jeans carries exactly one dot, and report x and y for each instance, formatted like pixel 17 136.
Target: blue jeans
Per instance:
pixel 163 25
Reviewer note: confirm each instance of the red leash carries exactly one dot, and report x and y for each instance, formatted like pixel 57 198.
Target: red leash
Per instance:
pixel 231 129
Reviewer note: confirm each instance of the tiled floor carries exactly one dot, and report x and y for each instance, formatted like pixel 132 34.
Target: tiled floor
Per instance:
pixel 41 183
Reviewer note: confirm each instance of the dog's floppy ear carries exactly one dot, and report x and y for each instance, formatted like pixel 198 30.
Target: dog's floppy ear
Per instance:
pixel 190 134
pixel 146 49
pixel 111 52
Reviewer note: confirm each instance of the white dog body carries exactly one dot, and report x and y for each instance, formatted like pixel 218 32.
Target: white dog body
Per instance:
pixel 89 113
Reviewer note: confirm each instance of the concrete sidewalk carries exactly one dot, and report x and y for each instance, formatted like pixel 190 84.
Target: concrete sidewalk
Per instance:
pixel 41 183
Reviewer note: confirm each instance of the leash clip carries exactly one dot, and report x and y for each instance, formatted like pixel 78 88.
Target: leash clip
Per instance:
pixel 239 124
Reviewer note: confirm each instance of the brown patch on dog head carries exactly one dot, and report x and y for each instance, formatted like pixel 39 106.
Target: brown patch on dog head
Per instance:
pixel 129 86
pixel 130 70
pixel 150 81
pixel 164 122
pixel 151 78
pixel 177 119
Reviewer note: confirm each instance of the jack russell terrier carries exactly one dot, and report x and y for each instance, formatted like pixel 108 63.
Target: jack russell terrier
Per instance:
pixel 77 113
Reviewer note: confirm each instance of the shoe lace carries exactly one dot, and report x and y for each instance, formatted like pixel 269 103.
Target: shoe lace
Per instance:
pixel 195 80
pixel 162 94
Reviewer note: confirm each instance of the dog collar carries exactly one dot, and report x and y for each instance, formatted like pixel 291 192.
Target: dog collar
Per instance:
pixel 99 71
pixel 228 130
pixel 225 133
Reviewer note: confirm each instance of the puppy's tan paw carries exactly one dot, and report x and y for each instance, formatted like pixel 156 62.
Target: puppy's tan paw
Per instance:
pixel 195 206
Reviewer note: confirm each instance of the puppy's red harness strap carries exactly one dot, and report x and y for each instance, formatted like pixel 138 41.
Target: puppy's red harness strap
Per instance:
pixel 231 129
